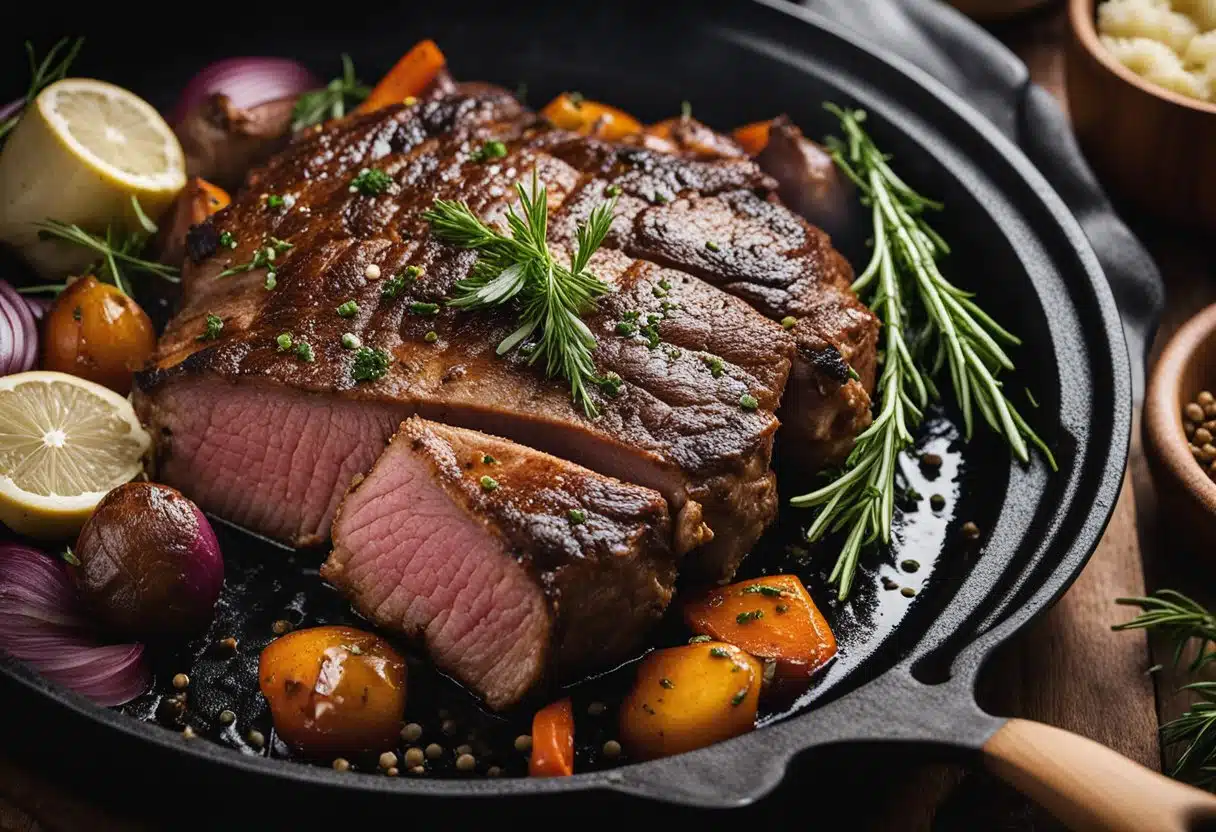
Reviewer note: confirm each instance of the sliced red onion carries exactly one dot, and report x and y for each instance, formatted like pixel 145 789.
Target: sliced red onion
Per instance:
pixel 247 82
pixel 11 109
pixel 41 624
pixel 38 306
pixel 18 332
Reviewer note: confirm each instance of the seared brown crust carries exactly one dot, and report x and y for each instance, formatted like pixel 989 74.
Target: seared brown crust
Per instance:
pixel 606 578
pixel 672 411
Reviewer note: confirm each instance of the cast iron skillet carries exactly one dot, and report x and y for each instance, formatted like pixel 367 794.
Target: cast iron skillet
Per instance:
pixel 1016 243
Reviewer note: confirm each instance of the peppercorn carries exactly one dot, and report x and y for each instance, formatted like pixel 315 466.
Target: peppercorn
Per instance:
pixel 970 531
pixel 612 749
pixel 188 733
pixel 1202 436
pixel 414 756
pixel 280 627
pixel 937 502
pixel 181 681
pixel 595 708
pixel 931 460
pixel 466 762
pixel 341 764
pixel 434 751
pixel 391 772
pixel 388 760
pixel 227 717
pixel 1193 412
pixel 256 739
pixel 907 592
pixel 411 732
pixel 523 743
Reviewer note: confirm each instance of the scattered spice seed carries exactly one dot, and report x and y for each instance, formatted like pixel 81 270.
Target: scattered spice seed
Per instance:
pixel 188 733
pixel 667 683
pixel 372 272
pixel 341 764
pixel 181 681
pixel 391 771
pixel 789 321
pixel 909 565
pixel 781 608
pixel 523 743
pixel 431 337
pixel 937 502
pixel 488 483
pixel 351 341
pixel 414 756
pixel 745 617
pixel 434 751
pixel 612 749
pixel 388 759
pixel 748 402
pixel 228 644
pixel 970 531
pixel 931 460
pixel 577 516
pixel 280 627
pixel 494 771
pixel 907 592
pixel 256 739
pixel 466 762
pixel 596 709
pixel 227 717
pixel 712 246
pixel 418 770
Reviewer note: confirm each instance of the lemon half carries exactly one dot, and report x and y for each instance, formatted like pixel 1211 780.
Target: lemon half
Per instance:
pixel 64 443
pixel 78 154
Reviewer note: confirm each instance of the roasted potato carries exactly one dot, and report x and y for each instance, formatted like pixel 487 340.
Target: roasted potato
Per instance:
pixel 334 691
pixel 689 697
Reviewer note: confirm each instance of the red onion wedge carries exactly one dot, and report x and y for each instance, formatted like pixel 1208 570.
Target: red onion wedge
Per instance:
pixel 247 82
pixel 18 332
pixel 41 624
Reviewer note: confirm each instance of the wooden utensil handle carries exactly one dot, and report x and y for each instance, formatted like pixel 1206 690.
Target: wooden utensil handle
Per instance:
pixel 1091 787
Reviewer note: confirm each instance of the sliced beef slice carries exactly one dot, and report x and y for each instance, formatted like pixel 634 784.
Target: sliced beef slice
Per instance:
pixel 513 567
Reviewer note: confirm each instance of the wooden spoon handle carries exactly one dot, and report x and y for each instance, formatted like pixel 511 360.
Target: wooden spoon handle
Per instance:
pixel 1089 786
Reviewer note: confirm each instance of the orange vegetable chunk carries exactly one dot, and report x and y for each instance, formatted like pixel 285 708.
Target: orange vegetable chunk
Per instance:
pixel 752 136
pixel 215 197
pixel 409 76
pixel 772 618
pixel 688 697
pixel 553 741
pixel 590 118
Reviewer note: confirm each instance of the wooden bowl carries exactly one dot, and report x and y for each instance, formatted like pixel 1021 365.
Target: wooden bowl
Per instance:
pixel 1187 498
pixel 1150 147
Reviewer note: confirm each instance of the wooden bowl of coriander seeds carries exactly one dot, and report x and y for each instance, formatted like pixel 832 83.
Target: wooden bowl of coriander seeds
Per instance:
pixel 1179 429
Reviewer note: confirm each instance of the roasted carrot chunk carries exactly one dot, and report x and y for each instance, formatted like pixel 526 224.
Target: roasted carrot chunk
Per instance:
pixel 570 111
pixel 409 76
pixel 752 136
pixel 553 741
pixel 689 697
pixel 772 618
pixel 215 198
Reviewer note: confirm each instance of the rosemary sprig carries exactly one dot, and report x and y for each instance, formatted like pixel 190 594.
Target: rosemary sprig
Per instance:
pixel 1179 618
pixel 330 101
pixel 1182 620
pixel 551 297
pixel 902 283
pixel 42 75
pixel 119 253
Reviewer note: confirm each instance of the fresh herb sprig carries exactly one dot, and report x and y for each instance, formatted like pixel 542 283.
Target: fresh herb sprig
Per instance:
pixel 330 101
pixel 904 287
pixel 551 298
pixel 1181 621
pixel 119 252
pixel 52 68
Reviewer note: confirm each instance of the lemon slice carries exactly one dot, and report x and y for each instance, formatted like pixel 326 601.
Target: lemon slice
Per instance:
pixel 78 154
pixel 64 443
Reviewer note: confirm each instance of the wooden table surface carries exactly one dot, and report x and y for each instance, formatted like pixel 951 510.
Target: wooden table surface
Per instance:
pixel 1069 669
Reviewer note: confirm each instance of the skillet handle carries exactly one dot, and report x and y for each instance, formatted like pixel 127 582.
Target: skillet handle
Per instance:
pixel 1091 787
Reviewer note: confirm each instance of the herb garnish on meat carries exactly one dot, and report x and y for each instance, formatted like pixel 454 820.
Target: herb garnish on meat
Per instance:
pixel 551 298
pixel 904 287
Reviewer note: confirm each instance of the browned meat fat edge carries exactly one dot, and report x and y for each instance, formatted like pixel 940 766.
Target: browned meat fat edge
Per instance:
pixel 467 543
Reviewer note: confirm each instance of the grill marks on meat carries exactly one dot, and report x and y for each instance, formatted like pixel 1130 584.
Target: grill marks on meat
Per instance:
pixel 675 427
pixel 504 589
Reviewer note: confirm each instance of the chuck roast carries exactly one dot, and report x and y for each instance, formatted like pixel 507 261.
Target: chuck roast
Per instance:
pixel 511 566
pixel 270 440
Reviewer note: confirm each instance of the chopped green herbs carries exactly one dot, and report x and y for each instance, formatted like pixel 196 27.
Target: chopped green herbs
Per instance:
pixel 431 337
pixel 748 402
pixel 719 652
pixel 270 282
pixel 263 257
pixel 369 364
pixel 419 308
pixel 227 240
pixel 746 617
pixel 371 182
pixel 488 483
pixel 393 286
pixel 212 329
pixel 283 341
pixel 488 151
pixel 611 384
pixel 488 460
pixel 699 639
pixel 626 328
pixel 715 365
pixel 330 101
pixel 612 191
pixel 739 696
pixel 577 516
pixel 712 246
pixel 763 589
pixel 351 341
pixel 853 374
pixel 274 202
pixel 304 352
pixel 348 309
